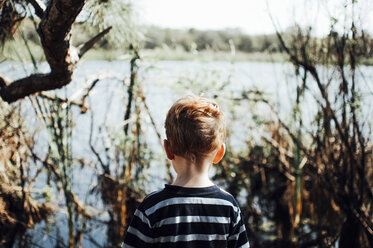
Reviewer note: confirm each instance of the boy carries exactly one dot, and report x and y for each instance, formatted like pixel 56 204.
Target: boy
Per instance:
pixel 192 212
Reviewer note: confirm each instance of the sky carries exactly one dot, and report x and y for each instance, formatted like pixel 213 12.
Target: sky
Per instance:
pixel 251 16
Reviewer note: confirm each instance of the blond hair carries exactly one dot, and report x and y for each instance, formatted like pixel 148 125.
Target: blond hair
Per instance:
pixel 195 127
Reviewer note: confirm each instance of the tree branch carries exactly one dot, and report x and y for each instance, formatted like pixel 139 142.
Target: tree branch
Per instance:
pixel 54 31
pixel 39 10
pixel 83 108
pixel 80 104
pixel 64 100
pixel 31 84
pixel 89 44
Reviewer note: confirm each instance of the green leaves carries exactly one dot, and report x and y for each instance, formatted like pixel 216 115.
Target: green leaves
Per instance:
pixel 117 14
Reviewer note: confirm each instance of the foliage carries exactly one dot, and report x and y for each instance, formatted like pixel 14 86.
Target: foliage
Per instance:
pixel 117 14
pixel 311 185
pixel 19 210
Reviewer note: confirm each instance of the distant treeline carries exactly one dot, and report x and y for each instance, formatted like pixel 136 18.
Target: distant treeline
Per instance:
pixel 187 39
pixel 191 40
pixel 215 40
pixel 225 40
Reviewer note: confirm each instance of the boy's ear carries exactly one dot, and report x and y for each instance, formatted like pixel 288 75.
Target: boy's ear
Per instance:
pixel 167 148
pixel 219 155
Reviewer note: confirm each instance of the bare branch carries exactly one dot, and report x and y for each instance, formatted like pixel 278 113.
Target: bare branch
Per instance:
pixel 64 100
pixel 39 10
pixel 89 44
pixel 81 103
pixel 87 91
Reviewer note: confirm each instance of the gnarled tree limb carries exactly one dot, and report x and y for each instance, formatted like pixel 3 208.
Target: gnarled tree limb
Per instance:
pixel 54 31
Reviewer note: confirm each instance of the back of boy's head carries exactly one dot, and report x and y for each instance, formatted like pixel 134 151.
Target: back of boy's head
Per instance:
pixel 195 127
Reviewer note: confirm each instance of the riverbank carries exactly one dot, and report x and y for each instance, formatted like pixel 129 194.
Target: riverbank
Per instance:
pixel 18 51
pixel 169 54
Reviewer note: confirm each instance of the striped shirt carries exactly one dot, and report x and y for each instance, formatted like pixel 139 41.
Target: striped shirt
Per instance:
pixel 187 217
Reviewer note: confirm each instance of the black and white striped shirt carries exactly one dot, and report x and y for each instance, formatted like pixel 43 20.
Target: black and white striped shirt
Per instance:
pixel 187 217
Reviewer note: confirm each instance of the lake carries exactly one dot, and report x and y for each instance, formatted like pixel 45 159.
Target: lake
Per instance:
pixel 162 83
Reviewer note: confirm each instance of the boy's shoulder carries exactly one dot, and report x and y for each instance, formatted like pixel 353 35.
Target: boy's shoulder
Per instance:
pixel 228 196
pixel 207 195
pixel 152 199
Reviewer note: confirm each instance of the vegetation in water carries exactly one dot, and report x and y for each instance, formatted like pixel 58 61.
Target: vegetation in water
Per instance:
pixel 303 179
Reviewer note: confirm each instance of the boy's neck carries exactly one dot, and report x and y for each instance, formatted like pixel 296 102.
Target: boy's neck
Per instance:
pixel 193 182
pixel 190 174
